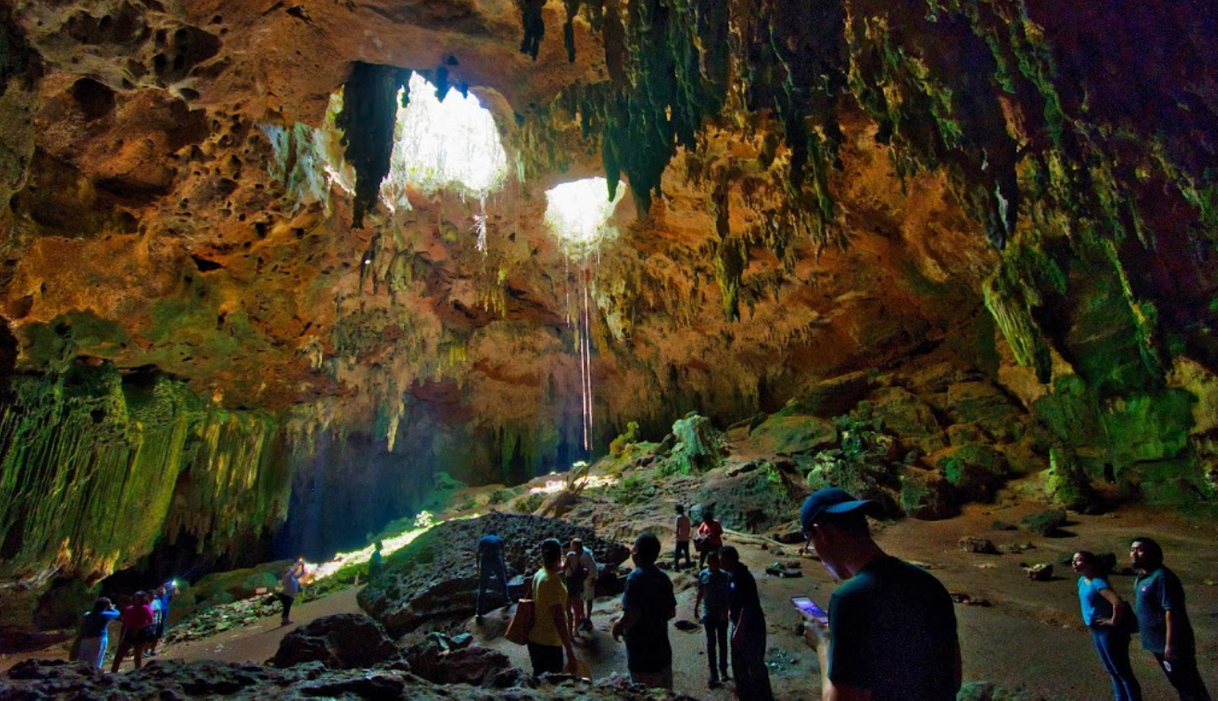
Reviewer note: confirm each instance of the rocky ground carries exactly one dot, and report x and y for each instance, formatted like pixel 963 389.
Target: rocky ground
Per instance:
pixel 1019 634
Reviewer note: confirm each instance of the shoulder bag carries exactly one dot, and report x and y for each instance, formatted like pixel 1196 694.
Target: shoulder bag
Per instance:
pixel 521 623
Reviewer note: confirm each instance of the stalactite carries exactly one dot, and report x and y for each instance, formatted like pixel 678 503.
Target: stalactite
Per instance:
pixel 370 106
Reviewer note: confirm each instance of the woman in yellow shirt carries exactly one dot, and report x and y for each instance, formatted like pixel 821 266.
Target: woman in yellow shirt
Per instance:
pixel 549 635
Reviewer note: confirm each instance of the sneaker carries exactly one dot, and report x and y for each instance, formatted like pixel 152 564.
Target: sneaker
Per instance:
pixel 714 684
pixel 585 624
pixel 726 677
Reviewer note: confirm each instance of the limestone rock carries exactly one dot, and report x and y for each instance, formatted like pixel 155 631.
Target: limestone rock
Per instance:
pixel 1045 523
pixel 341 641
pixel 756 501
pixel 475 665
pixel 975 544
pixel 926 494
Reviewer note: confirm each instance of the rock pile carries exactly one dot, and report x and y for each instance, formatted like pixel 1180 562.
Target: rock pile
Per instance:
pixel 434 580
pixel 342 641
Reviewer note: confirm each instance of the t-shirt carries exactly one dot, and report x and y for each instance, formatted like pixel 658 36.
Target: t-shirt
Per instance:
pixel 589 561
pixel 683 528
pixel 893 631
pixel 712 534
pixel 94 624
pixel 648 591
pixel 289 584
pixel 1095 606
pixel 716 589
pixel 1156 593
pixel 548 591
pixel 157 612
pixel 136 617
pixel 744 603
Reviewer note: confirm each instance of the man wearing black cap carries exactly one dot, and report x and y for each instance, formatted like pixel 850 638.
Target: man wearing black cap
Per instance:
pixel 892 629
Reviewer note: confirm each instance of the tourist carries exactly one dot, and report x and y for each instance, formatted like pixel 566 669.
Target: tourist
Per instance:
pixel 137 630
pixel 1105 614
pixel 710 536
pixel 683 530
pixel 648 604
pixel 289 588
pixel 158 622
pixel 94 634
pixel 1163 620
pixel 491 569
pixel 549 635
pixel 166 592
pixel 575 575
pixel 593 570
pixel 892 629
pixel 712 606
pixel 748 630
pixel 376 563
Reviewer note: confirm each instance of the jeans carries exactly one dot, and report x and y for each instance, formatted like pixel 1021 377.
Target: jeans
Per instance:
pixel 748 665
pixel 1113 646
pixel 716 636
pixel 1184 676
pixel 287 606
pixel 682 547
pixel 492 572
pixel 545 658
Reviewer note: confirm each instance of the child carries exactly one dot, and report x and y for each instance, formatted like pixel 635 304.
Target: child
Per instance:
pixel 714 587
pixel 683 530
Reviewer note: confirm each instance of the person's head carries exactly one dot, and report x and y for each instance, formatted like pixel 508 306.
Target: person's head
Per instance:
pixel 713 560
pixel 577 545
pixel 646 549
pixel 728 557
pixel 551 553
pixel 836 524
pixel 1145 554
pixel 102 604
pixel 680 510
pixel 1086 563
pixel 708 515
pixel 160 591
pixel 141 597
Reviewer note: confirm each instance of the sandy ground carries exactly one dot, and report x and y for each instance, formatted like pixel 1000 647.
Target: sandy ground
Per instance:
pixel 1030 636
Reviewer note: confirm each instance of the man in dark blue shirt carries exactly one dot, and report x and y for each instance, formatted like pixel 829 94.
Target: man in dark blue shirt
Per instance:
pixel 647 605
pixel 892 629
pixel 748 630
pixel 491 569
pixel 1163 620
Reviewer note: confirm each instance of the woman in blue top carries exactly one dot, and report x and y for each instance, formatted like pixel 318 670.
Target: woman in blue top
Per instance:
pixel 1104 613
pixel 93 636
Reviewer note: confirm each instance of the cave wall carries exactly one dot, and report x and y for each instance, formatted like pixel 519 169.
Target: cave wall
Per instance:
pixel 817 188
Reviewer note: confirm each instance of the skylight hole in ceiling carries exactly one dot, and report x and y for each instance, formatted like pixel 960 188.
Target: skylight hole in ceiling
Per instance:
pixel 578 214
pixel 443 144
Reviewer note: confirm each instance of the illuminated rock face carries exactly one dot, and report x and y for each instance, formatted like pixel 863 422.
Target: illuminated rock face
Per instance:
pixel 155 235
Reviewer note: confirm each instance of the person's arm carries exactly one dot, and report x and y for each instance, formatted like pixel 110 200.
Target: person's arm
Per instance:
pixel 1118 611
pixel 698 600
pixel 628 620
pixel 1169 649
pixel 559 612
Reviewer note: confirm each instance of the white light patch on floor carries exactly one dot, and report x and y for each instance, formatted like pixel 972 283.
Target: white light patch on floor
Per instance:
pixel 578 214
pixel 443 144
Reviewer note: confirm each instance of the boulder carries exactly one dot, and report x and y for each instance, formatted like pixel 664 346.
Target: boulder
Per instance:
pixel 791 434
pixel 977 471
pixel 927 495
pixel 833 397
pixel 341 641
pixel 755 501
pixel 1040 572
pixel 1045 523
pixel 434 580
pixel 975 544
pixel 479 666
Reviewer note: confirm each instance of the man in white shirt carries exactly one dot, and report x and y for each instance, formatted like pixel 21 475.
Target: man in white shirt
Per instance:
pixel 589 592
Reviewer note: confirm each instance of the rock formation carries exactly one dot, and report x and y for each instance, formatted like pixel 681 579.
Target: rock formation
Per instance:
pixel 214 327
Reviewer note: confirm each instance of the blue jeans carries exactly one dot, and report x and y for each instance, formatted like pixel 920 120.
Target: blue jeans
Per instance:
pixel 1113 646
pixel 492 572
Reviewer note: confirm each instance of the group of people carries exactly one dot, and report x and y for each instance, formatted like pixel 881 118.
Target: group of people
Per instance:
pixel 143 623
pixel 1159 616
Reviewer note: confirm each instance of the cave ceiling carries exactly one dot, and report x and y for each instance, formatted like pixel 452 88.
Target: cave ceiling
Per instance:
pixel 814 188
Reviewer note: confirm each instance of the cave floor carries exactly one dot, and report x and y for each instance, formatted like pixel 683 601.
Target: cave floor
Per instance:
pixel 1030 636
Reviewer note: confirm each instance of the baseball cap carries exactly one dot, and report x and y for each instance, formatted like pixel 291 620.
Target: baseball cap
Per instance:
pixel 833 501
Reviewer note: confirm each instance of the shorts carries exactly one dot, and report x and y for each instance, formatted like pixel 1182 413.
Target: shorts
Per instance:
pixel 575 588
pixel 590 589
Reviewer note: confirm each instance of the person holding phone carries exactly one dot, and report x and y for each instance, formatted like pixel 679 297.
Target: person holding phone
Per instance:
pixel 891 633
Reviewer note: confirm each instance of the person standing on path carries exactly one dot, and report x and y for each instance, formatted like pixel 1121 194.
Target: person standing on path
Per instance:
pixel 1163 620
pixel 710 536
pixel 683 527
pixel 137 631
pixel 593 570
pixel 1104 614
pixel 748 630
pixel 891 634
pixel 289 588
pixel 713 607
pixel 491 570
pixel 549 635
pixel 94 635
pixel 376 562
pixel 648 604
